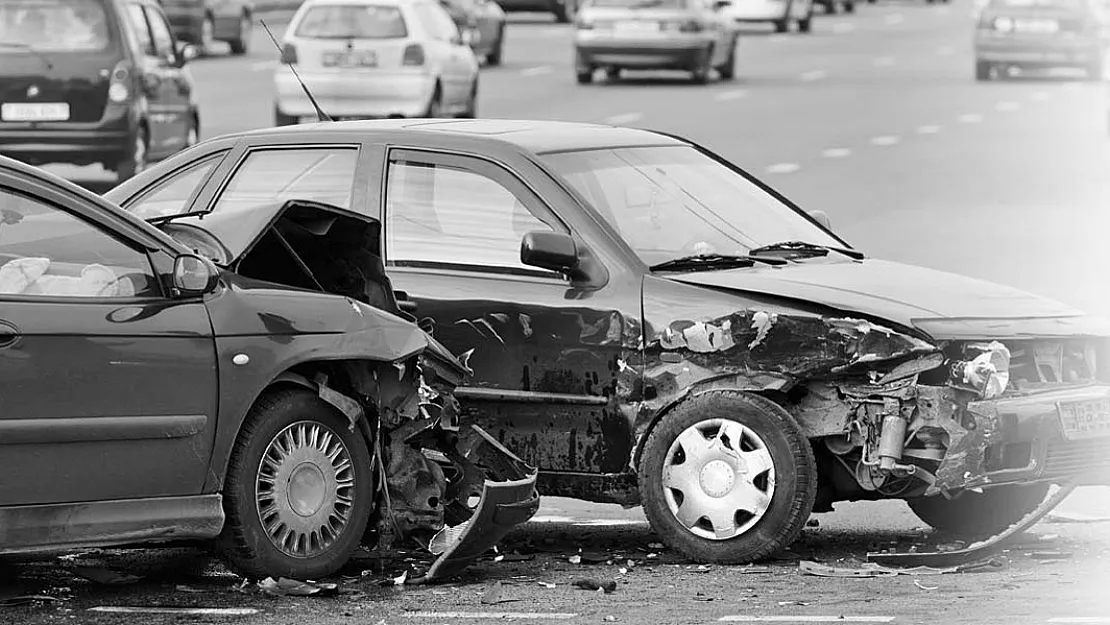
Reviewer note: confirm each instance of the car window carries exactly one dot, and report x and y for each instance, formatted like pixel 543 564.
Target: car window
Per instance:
pixel 54 25
pixel 346 21
pixel 47 252
pixel 163 39
pixel 170 196
pixel 438 214
pixel 136 17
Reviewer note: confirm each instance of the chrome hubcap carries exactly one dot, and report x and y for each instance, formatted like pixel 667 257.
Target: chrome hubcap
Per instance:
pixel 718 479
pixel 305 489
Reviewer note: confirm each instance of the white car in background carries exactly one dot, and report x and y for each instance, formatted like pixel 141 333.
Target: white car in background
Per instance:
pixel 777 12
pixel 365 59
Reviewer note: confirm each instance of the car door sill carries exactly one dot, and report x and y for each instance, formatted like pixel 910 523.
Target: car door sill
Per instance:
pixel 531 397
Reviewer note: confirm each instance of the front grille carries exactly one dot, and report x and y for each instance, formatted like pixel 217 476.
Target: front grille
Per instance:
pixel 1066 458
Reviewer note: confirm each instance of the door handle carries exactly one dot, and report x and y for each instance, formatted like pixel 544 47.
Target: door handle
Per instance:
pixel 9 334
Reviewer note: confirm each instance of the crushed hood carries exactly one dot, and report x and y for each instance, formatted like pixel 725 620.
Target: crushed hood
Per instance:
pixel 941 304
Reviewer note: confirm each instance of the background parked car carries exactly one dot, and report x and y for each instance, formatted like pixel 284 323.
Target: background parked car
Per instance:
pixel 204 22
pixel 1032 34
pixel 93 81
pixel 486 22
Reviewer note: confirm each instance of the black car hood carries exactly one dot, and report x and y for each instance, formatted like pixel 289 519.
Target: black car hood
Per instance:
pixel 940 304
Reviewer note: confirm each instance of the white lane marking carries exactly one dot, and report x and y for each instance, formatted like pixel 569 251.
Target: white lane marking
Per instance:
pixel 928 130
pixel 812 75
pixel 734 94
pixel 883 61
pixel 885 141
pixel 744 618
pixel 609 523
pixel 894 18
pixel 263 65
pixel 551 519
pixel 1081 619
pixel 971 118
pixel 836 153
pixel 537 71
pixel 560 616
pixel 1007 106
pixel 623 118
pixel 777 38
pixel 783 168
pixel 843 27
pixel 120 609
pixel 946 50
pixel 1041 96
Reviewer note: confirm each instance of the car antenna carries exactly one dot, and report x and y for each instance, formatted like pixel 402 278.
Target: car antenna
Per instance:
pixel 320 114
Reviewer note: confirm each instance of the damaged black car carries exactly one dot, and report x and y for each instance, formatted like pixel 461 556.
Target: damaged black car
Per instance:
pixel 650 325
pixel 244 378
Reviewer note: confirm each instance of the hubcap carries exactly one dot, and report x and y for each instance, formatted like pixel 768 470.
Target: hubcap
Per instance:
pixel 718 479
pixel 305 489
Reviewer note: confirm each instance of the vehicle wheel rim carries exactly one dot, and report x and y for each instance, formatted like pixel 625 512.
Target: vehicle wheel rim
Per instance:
pixel 138 155
pixel 206 34
pixel 718 479
pixel 305 488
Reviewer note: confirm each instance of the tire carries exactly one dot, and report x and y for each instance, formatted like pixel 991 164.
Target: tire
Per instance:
pixel 435 105
pixel 728 70
pixel 240 46
pixel 784 448
pixel 613 74
pixel 584 77
pixel 700 72
pixel 979 515
pixel 982 71
pixel 493 59
pixel 849 7
pixel 805 24
pixel 565 11
pixel 830 7
pixel 138 158
pixel 782 26
pixel 471 111
pixel 207 36
pixel 281 119
pixel 245 542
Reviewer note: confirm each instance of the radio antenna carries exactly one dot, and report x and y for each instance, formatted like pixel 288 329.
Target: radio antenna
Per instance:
pixel 320 114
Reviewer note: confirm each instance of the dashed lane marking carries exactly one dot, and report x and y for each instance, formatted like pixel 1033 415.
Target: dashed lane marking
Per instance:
pixel 885 141
pixel 623 118
pixel 559 616
pixel 745 618
pixel 883 61
pixel 537 71
pixel 812 75
pixel 836 153
pixel 734 94
pixel 122 609
pixel 783 168
pixel 551 519
pixel 928 130
pixel 1007 106
pixel 971 118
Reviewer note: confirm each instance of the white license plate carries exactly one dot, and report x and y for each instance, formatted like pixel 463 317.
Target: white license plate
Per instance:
pixel 1085 419
pixel 34 112
pixel 636 27
pixel 1040 27
pixel 361 58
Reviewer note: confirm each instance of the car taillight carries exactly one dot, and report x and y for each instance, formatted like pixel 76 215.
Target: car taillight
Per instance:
pixel 289 54
pixel 414 55
pixel 119 87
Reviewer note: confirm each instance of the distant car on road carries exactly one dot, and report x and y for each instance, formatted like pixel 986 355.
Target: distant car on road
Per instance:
pixel 486 23
pixel 365 59
pixel 830 6
pixel 93 81
pixel 689 35
pixel 1041 34
pixel 204 22
pixel 649 324
pixel 780 13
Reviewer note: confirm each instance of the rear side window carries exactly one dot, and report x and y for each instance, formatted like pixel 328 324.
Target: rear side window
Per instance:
pixel 54 25
pixel 345 21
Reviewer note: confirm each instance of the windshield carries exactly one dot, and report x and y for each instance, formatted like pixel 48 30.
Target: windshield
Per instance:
pixel 673 201
pixel 53 25
pixel 339 21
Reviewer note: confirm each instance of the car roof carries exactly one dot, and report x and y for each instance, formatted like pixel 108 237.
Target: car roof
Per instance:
pixel 533 136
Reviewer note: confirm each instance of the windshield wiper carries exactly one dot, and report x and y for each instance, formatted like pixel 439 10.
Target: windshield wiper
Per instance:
pixel 803 248
pixel 161 219
pixel 714 261
pixel 29 48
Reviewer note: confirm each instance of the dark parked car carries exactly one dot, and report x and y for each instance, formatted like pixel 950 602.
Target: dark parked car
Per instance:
pixel 245 377
pixel 649 324
pixel 1041 34
pixel 93 81
pixel 204 22
pixel 486 21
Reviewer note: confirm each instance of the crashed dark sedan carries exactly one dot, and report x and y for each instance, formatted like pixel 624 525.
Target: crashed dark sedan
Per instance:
pixel 649 324
pixel 223 379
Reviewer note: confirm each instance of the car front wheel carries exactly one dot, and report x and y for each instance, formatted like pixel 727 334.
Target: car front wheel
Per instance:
pixel 298 492
pixel 979 515
pixel 727 477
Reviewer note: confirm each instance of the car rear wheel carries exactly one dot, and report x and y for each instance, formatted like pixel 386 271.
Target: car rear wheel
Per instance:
pixel 728 70
pixel 435 105
pixel 298 492
pixel 613 74
pixel 806 23
pixel 979 515
pixel 136 161
pixel 281 119
pixel 727 477
pixel 782 26
pixel 240 44
pixel 471 110
pixel 704 66
pixel 584 76
pixel 983 71
pixel 849 7
pixel 830 7
pixel 493 59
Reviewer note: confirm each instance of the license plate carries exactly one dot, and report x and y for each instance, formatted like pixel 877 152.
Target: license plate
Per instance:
pixel 1085 419
pixel 1040 27
pixel 34 112
pixel 362 58
pixel 636 27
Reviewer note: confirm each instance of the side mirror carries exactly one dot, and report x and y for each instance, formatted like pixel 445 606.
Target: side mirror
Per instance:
pixel 193 275
pixel 822 218
pixel 553 251
pixel 186 52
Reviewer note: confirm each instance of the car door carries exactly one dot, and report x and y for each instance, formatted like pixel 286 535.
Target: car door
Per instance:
pixel 164 85
pixel 109 386
pixel 545 356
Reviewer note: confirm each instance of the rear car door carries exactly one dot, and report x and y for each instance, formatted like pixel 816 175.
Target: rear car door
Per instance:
pixel 163 83
pixel 544 360
pixel 454 56
pixel 109 385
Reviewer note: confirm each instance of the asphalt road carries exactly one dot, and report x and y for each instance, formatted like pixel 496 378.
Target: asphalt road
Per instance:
pixel 874 118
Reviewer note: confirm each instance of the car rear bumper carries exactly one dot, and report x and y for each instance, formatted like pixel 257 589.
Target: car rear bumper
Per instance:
pixel 1037 53
pixel 641 53
pixel 363 95
pixel 108 141
pixel 757 11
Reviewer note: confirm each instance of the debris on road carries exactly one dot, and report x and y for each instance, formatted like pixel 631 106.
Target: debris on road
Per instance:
pixel 822 570
pixel 1075 517
pixel 923 586
pixel 592 584
pixel 21 600
pixel 700 596
pixel 283 586
pixel 1050 555
pixel 813 523
pixel 107 577
pixel 871 570
pixel 547 585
